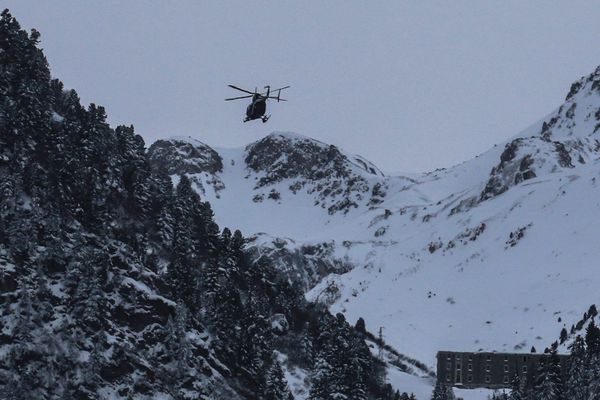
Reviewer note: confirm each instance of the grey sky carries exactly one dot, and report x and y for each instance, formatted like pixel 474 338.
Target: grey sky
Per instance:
pixel 410 85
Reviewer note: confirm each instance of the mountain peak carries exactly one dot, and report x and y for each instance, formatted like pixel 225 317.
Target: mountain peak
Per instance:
pixel 585 84
pixel 338 180
pixel 288 135
pixel 579 116
pixel 303 150
pixel 185 155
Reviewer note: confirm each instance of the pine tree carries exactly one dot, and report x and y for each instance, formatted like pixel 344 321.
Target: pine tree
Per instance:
pixel 91 374
pixel 275 387
pixel 218 272
pixel 592 338
pixel 207 231
pixel 183 273
pixel 593 388
pixel 343 364
pixel 550 385
pixel 228 312
pixel 362 372
pixel 442 392
pixel 360 326
pixel 322 373
pixel 563 335
pixel 255 342
pixel 237 245
pixel 135 171
pixel 518 389
pixel 93 300
pixel 177 345
pixel 161 213
pixel 577 374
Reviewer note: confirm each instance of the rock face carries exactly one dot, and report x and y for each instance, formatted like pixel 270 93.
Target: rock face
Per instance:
pixel 186 156
pixel 524 159
pixel 288 156
pixel 180 156
pixel 579 116
pixel 303 164
pixel 303 263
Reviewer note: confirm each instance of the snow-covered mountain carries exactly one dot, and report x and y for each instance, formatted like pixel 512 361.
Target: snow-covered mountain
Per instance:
pixel 497 253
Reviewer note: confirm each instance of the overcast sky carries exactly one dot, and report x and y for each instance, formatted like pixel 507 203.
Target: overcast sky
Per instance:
pixel 411 85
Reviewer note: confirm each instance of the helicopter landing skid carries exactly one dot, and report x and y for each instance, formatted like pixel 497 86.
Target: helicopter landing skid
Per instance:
pixel 265 118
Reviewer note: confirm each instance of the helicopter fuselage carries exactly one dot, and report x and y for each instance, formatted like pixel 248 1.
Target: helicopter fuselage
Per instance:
pixel 256 109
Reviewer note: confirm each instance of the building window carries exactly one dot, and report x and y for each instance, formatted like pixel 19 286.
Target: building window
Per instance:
pixel 506 368
pixel 448 378
pixel 448 366
pixel 488 379
pixel 470 367
pixel 470 358
pixel 524 369
pixel 505 358
pixel 448 357
pixel 458 377
pixel 489 358
pixel 458 367
pixel 469 378
pixel 488 368
pixel 524 358
pixel 457 358
pixel 505 379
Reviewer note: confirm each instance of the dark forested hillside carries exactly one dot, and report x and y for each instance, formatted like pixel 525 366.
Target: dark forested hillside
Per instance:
pixel 114 284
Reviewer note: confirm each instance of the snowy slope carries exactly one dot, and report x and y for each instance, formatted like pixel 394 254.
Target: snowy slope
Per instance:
pixel 487 254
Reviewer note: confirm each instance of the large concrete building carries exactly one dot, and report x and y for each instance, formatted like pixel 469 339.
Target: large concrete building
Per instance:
pixel 490 370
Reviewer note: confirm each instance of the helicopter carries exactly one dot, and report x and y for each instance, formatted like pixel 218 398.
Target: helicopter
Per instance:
pixel 258 107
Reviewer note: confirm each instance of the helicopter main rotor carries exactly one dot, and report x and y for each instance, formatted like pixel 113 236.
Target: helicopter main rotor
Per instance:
pixel 265 95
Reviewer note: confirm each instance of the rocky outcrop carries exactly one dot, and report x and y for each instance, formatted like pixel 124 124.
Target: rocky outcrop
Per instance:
pixel 185 156
pixel 180 156
pixel 305 264
pixel 339 182
pixel 524 159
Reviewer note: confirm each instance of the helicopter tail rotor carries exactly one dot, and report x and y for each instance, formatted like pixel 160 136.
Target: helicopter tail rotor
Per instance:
pixel 278 90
